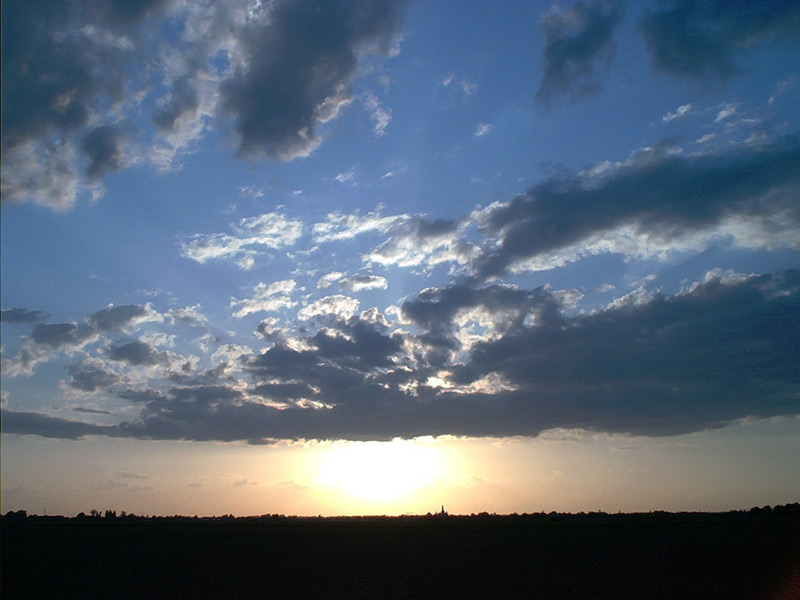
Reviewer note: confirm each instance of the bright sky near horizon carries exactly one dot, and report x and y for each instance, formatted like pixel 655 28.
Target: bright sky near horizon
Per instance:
pixel 552 250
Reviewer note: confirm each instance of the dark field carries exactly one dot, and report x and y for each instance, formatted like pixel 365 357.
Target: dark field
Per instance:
pixel 654 555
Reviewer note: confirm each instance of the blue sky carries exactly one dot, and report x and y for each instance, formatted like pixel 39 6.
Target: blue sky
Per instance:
pixel 505 230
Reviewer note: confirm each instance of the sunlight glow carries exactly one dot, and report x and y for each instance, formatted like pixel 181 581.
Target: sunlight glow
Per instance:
pixel 380 471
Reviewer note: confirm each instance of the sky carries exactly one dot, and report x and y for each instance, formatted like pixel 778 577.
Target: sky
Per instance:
pixel 354 257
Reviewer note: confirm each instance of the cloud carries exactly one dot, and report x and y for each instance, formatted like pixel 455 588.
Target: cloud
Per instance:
pixel 61 64
pixel 352 283
pixel 46 340
pixel 89 378
pixel 81 81
pixel 135 353
pixel 269 230
pixel 91 411
pixel 120 318
pixel 720 350
pixel 681 111
pixel 43 172
pixel 653 205
pixel 380 115
pixel 483 129
pixel 575 40
pixel 701 38
pixel 23 423
pixel 420 241
pixel 357 283
pixel 21 315
pixel 329 279
pixel 346 176
pixel 725 112
pixel 188 315
pixel 299 70
pixel 340 226
pixel 337 306
pixel 103 146
pixel 266 298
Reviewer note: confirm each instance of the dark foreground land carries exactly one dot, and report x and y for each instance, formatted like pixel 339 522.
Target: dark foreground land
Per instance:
pixel 754 554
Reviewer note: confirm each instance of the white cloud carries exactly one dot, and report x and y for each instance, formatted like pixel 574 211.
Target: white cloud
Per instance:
pixel 328 280
pixel 339 226
pixel 469 87
pixel 42 173
pixel 726 111
pixel 339 306
pixel 681 111
pixel 357 283
pixel 706 138
pixel 269 230
pixel 266 298
pixel 346 176
pixel 380 115
pixel 483 129
pixel 411 247
pixel 251 191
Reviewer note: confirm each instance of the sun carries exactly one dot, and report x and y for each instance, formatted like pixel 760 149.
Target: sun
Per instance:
pixel 380 471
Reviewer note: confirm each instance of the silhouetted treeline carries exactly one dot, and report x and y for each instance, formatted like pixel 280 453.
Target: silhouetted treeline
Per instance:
pixel 779 511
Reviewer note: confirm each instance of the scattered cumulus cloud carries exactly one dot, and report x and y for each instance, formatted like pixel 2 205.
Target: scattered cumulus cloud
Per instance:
pixel 381 116
pixel 725 112
pixel 337 306
pixel 339 226
pixel 253 235
pixel 483 129
pixel 266 298
pixel 681 111
pixel 357 283
pixel 347 176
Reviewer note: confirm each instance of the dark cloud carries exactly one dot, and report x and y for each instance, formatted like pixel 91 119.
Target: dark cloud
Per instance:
pixel 363 345
pixel 117 318
pixel 301 65
pixel 72 71
pixel 58 64
pixel 29 423
pixel 131 12
pixel 723 349
pixel 576 40
pixel 696 360
pixel 21 315
pixel 69 337
pixel 47 82
pixel 57 335
pixel 182 99
pixel 335 383
pixel 282 392
pixel 135 353
pixel 698 38
pixel 92 411
pixel 435 308
pixel 665 196
pixel 90 379
pixel 187 375
pixel 103 148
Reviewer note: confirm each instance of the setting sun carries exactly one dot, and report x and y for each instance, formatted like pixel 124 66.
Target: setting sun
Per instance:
pixel 380 471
